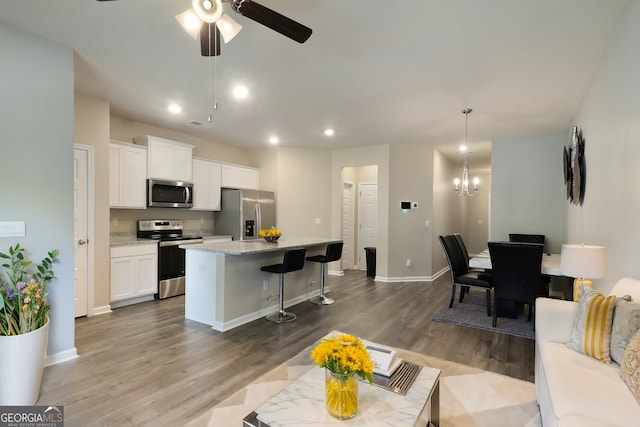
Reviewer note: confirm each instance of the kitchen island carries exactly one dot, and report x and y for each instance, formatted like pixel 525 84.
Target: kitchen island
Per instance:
pixel 225 287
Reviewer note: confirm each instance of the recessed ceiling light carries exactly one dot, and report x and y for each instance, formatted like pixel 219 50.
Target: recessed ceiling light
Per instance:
pixel 329 132
pixel 462 148
pixel 175 108
pixel 274 140
pixel 240 92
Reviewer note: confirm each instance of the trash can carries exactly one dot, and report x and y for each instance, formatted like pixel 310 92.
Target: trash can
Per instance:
pixel 371 261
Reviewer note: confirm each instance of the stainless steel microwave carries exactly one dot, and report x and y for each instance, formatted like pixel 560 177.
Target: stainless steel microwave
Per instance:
pixel 169 194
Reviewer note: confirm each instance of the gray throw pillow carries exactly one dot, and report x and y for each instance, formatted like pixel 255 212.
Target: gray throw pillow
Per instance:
pixel 626 322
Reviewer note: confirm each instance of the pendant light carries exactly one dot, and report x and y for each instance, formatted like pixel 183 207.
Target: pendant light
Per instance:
pixel 463 190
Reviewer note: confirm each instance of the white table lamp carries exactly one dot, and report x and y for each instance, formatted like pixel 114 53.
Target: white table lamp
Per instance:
pixel 582 261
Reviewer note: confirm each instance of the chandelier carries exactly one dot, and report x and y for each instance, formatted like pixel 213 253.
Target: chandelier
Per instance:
pixel 463 190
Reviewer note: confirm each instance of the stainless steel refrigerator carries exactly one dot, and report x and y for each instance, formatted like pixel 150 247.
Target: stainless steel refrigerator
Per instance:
pixel 243 213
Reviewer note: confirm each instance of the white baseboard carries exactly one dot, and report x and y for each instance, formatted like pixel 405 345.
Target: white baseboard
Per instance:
pixel 63 356
pixel 440 273
pixel 238 321
pixel 101 310
pixel 126 302
pixel 403 279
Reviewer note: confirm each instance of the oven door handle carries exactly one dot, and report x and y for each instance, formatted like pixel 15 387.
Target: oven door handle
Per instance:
pixel 180 242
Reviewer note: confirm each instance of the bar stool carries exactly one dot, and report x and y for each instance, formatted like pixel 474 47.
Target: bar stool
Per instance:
pixel 334 252
pixel 293 261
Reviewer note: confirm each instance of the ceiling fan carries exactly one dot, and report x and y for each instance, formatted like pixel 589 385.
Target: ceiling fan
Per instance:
pixel 207 19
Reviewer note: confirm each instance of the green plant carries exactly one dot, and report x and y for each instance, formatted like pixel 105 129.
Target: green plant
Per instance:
pixel 23 298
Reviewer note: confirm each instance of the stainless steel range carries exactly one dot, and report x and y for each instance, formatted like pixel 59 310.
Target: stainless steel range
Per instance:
pixel 171 259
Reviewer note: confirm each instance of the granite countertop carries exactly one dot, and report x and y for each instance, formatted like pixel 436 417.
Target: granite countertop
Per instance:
pixel 119 239
pixel 124 238
pixel 243 247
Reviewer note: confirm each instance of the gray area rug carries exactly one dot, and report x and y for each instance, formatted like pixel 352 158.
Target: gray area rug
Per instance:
pixel 469 397
pixel 472 312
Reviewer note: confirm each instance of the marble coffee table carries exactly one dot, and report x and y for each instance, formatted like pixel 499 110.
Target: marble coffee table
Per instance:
pixel 302 403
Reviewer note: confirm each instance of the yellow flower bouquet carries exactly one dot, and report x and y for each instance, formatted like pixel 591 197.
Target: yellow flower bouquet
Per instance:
pixel 343 356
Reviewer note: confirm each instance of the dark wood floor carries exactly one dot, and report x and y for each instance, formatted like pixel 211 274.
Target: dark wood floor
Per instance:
pixel 147 365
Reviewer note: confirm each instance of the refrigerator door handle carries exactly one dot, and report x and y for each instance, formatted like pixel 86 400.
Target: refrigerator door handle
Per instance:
pixel 258 217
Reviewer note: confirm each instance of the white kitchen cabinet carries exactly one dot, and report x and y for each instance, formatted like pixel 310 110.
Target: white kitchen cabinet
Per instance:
pixel 206 185
pixel 170 160
pixel 127 175
pixel 134 271
pixel 236 176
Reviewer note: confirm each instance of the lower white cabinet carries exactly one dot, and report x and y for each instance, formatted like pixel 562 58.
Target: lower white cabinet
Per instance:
pixel 134 271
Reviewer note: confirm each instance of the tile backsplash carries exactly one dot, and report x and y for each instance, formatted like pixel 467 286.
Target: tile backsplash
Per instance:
pixel 126 220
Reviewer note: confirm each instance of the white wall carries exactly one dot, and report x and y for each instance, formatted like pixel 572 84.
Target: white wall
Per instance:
pixel 410 180
pixel 609 117
pixel 91 127
pixel 527 188
pixel 303 191
pixel 36 165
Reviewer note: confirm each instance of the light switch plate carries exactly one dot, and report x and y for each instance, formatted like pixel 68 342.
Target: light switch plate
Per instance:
pixel 12 229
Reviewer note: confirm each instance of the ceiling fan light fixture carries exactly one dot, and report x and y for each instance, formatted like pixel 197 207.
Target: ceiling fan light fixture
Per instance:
pixel 228 27
pixel 190 22
pixel 207 10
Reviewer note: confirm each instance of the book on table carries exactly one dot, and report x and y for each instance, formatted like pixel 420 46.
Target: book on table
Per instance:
pixel 384 359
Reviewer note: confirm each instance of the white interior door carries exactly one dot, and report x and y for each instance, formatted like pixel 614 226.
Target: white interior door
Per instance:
pixel 81 230
pixel 367 220
pixel 348 229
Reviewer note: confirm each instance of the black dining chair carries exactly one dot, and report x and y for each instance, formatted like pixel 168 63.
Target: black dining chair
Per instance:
pixel 532 238
pixel 465 253
pixel 516 274
pixel 526 238
pixel 460 273
pixel 293 261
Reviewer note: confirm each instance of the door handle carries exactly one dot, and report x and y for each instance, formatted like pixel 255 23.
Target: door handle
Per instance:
pixel 83 241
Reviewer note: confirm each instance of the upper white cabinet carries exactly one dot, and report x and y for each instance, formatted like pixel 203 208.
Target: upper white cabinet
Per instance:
pixel 127 175
pixel 168 160
pixel 235 176
pixel 206 185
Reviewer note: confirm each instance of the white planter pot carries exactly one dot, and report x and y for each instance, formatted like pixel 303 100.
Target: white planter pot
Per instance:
pixel 22 363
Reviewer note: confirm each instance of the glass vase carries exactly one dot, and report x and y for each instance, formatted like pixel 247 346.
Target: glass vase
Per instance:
pixel 341 395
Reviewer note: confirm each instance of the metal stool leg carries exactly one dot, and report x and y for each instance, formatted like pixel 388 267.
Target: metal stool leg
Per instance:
pixel 281 316
pixel 322 299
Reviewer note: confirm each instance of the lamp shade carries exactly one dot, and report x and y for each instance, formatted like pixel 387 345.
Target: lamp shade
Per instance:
pixel 583 261
pixel 228 27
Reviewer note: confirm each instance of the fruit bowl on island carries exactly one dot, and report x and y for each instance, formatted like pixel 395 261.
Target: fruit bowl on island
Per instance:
pixel 270 235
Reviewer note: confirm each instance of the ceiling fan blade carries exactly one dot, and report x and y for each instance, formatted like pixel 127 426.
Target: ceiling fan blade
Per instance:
pixel 209 39
pixel 272 19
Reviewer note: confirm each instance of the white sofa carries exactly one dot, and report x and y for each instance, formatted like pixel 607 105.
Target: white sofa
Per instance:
pixel 574 389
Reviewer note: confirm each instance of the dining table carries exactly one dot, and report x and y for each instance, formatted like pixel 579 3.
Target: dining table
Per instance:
pixel 550 263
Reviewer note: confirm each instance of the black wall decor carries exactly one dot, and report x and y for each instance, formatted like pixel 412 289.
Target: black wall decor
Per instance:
pixel 575 169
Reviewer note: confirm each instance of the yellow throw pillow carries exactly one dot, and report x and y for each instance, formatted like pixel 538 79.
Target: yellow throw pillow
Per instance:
pixel 630 366
pixel 591 333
